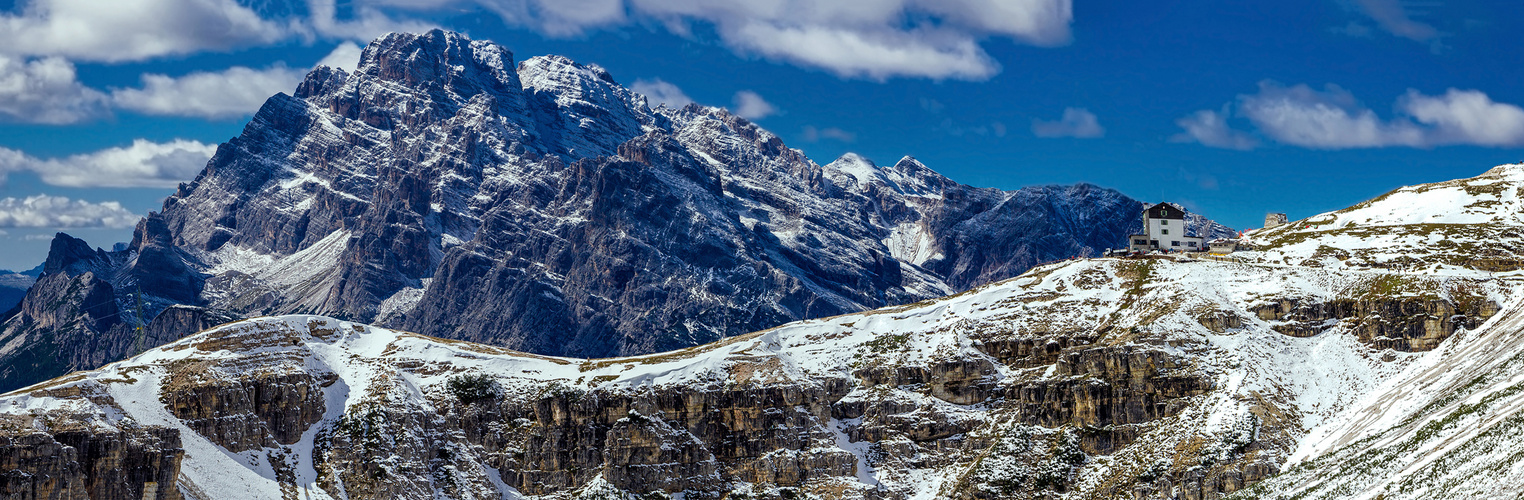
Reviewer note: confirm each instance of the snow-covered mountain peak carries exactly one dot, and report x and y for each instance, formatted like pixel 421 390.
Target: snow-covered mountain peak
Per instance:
pixel 437 58
pixel 580 109
pixel 861 170
pixel 552 71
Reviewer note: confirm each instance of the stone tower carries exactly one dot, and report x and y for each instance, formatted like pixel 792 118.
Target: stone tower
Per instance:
pixel 1272 220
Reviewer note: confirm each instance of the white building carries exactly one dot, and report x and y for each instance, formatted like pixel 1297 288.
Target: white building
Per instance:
pixel 1164 229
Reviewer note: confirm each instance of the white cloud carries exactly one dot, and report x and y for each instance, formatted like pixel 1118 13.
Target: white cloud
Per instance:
pixel 1333 119
pixel 346 56
pixel 875 39
pixel 1393 18
pixel 133 30
pixel 877 54
pixel 232 92
pixel 1466 117
pixel 812 134
pixel 659 92
pixel 559 17
pixel 751 106
pixel 1210 128
pixel 60 212
pixel 1076 122
pixel 143 164
pixel 364 24
pixel 125 30
pixel 1326 119
pixel 46 91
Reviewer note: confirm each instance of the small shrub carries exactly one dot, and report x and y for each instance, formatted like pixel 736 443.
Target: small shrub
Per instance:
pixel 472 388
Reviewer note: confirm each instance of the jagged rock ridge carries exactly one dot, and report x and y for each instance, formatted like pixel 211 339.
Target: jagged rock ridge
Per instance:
pixel 541 206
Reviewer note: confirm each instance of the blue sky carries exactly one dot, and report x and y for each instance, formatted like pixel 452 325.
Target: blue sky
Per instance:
pixel 1232 108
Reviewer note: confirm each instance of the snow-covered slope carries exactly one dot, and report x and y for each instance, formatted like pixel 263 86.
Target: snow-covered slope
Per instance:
pixel 1101 378
pixel 1447 425
pixel 1476 222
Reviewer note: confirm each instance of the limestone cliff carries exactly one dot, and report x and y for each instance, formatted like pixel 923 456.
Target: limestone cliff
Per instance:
pixel 1086 379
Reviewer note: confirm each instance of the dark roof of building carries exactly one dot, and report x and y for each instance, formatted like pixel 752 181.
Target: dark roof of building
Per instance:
pixel 1164 211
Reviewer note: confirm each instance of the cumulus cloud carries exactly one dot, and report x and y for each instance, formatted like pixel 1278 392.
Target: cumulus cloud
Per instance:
pixel 1466 117
pixel 1076 122
pixel 60 212
pixel 46 91
pixel 125 30
pixel 364 24
pixel 660 92
pixel 751 106
pixel 229 93
pixel 1332 118
pixel 1322 119
pixel 1210 128
pixel 346 57
pixel 874 39
pixel 872 54
pixel 133 30
pixel 233 92
pixel 143 164
pixel 812 134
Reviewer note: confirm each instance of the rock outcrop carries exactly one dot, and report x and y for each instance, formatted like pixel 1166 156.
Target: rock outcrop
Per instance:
pixel 72 456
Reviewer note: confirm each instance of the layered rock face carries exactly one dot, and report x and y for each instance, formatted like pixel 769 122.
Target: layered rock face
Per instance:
pixel 539 205
pixel 1088 379
pixel 81 455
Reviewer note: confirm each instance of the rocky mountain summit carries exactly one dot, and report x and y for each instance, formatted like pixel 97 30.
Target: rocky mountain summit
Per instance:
pixel 540 206
pixel 1313 367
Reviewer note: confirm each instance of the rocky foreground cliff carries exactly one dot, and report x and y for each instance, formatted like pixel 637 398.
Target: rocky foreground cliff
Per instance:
pixel 1285 373
pixel 444 187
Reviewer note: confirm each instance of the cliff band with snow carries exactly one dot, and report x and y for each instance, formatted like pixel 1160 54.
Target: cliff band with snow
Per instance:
pixel 1315 367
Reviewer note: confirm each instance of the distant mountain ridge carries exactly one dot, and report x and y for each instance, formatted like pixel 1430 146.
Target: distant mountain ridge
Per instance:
pixel 13 286
pixel 441 188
